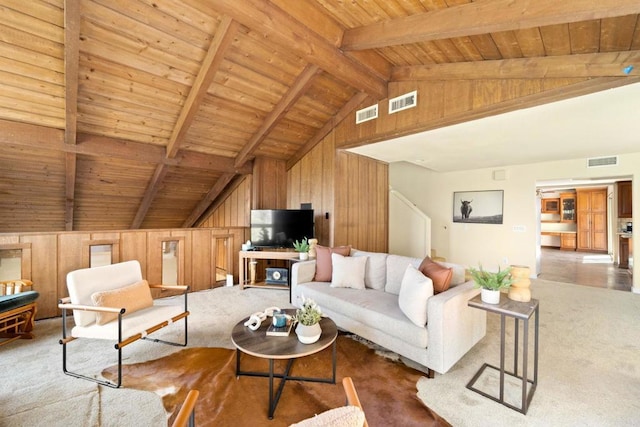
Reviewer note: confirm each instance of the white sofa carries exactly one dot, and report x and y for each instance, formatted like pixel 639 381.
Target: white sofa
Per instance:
pixel 373 313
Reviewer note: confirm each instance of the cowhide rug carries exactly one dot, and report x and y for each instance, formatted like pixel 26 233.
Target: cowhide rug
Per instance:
pixel 387 389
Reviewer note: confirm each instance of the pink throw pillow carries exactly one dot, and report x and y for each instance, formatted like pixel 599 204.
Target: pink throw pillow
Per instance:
pixel 324 268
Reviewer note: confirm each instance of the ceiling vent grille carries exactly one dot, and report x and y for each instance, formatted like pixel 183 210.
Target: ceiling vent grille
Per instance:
pixel 403 102
pixel 367 114
pixel 596 162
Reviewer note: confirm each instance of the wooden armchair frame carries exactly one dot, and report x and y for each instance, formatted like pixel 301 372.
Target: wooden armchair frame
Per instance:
pixel 187 415
pixel 352 396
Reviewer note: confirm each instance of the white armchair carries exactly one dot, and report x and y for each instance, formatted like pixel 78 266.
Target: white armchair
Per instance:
pixel 114 303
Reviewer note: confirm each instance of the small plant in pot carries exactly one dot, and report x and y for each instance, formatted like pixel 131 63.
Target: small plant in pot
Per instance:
pixel 308 318
pixel 302 247
pixel 491 283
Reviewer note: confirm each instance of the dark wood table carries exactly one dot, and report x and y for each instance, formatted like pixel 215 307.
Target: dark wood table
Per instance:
pixel 258 344
pixel 518 311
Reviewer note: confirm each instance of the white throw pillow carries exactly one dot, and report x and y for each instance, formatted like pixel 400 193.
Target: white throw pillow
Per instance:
pixel 348 272
pixel 415 290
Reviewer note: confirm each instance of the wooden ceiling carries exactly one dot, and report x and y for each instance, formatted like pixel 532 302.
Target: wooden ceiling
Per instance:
pixel 119 114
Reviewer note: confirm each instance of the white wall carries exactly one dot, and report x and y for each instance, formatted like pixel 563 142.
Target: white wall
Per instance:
pixel 409 228
pixel 499 245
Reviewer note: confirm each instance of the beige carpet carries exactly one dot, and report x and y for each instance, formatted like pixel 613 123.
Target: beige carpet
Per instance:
pixel 589 366
pixel 589 372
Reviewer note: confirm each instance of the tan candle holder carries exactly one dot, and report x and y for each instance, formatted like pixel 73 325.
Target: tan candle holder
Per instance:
pixel 519 289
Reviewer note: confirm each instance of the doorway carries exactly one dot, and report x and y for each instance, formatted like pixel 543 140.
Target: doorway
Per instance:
pixel 563 249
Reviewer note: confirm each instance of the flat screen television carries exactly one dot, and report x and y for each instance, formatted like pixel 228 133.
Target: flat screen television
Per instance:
pixel 279 228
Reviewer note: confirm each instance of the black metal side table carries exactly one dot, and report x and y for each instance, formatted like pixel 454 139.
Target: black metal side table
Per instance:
pixel 518 311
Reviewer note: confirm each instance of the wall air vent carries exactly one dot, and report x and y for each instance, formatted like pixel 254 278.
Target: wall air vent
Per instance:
pixel 367 114
pixel 596 162
pixel 402 102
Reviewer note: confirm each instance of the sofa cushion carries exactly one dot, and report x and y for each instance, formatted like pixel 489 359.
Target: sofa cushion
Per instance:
pixel 323 261
pixel 9 302
pixel 415 290
pixel 441 276
pixel 376 309
pixel 396 266
pixel 132 298
pixel 375 273
pixel 348 272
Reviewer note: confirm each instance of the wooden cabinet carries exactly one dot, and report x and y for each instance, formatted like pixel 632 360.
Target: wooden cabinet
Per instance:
pixel 551 205
pixel 625 200
pixel 568 241
pixel 592 220
pixel 624 253
pixel 568 207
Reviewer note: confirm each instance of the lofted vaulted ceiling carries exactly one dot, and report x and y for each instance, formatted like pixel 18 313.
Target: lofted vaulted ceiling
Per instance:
pixel 120 114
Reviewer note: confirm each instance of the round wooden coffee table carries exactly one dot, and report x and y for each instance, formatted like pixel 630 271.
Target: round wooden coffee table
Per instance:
pixel 258 344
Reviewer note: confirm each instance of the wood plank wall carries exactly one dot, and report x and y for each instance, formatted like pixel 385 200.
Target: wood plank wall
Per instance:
pixel 269 184
pixel 48 257
pixel 311 180
pixel 361 203
pixel 443 103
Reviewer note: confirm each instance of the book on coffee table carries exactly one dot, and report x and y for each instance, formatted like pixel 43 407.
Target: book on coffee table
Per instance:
pixel 282 331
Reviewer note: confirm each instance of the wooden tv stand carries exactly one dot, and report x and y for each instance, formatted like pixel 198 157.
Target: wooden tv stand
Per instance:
pixel 247 256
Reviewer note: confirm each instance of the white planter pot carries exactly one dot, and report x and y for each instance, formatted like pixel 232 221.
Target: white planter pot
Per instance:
pixel 489 296
pixel 304 256
pixel 308 334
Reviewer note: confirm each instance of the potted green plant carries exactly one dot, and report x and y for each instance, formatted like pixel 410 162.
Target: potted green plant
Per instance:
pixel 308 318
pixel 491 283
pixel 302 247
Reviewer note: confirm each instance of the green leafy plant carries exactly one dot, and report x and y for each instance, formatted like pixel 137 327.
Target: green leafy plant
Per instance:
pixel 310 313
pixel 302 246
pixel 492 281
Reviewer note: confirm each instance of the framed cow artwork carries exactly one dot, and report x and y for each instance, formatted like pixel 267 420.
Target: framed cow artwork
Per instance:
pixel 478 207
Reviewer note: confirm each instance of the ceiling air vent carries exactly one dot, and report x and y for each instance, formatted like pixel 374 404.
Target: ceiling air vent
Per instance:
pixel 367 114
pixel 402 102
pixel 595 162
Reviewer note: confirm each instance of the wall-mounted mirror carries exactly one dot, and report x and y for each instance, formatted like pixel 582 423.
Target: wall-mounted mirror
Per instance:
pixel 170 262
pixel 10 264
pixel 100 255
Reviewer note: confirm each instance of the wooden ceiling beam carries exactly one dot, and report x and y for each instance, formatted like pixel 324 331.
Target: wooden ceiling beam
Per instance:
pixel 482 17
pixel 152 189
pixel 71 63
pixel 610 64
pixel 297 89
pixel 206 201
pixel 28 135
pixel 345 111
pixel 221 41
pixel 102 146
pixel 276 25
